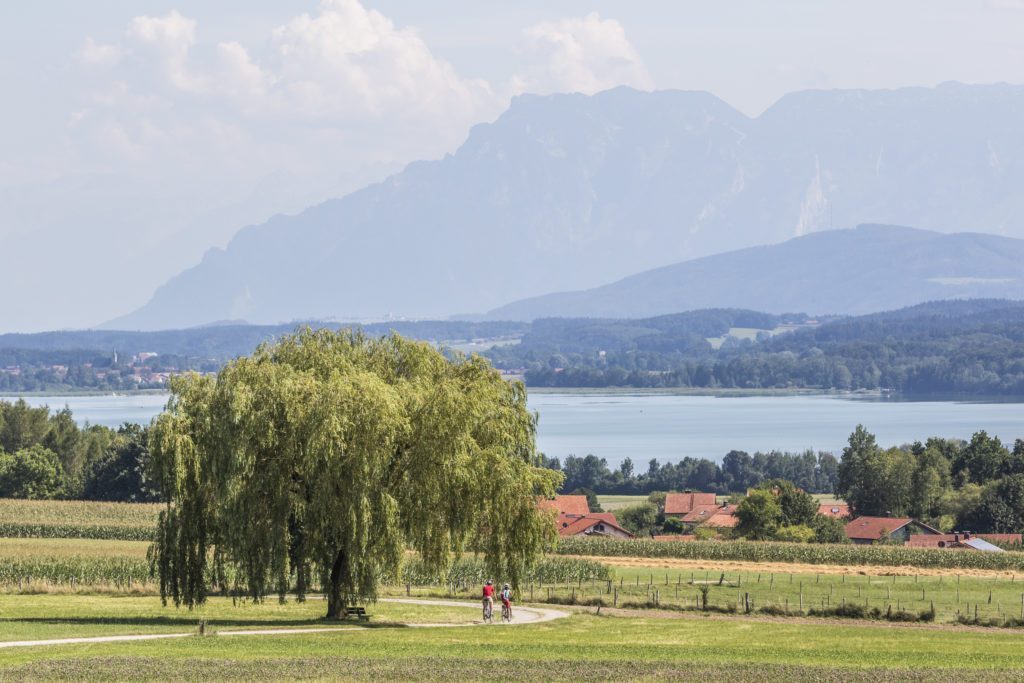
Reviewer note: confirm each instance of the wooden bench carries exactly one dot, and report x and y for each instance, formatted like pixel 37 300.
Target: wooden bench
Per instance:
pixel 357 612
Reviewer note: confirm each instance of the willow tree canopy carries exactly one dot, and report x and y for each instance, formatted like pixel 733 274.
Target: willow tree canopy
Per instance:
pixel 321 458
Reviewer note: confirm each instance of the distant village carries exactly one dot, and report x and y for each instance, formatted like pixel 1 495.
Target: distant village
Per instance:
pixel 703 511
pixel 144 370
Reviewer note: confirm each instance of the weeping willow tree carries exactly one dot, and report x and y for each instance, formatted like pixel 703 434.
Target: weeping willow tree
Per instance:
pixel 322 457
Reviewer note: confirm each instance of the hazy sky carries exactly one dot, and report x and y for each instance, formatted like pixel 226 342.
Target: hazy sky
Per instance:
pixel 137 134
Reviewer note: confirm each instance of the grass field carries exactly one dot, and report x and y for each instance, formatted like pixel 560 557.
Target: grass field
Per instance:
pixel 613 503
pixel 617 644
pixel 37 617
pixel 582 647
pixel 951 595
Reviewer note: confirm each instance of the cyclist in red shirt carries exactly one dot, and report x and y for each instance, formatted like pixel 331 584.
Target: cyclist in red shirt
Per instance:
pixel 489 593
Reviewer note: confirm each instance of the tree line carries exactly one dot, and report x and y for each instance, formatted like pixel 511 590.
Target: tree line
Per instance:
pixel 47 455
pixel 975 485
pixel 817 472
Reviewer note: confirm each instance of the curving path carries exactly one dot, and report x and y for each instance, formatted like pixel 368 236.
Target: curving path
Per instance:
pixel 520 615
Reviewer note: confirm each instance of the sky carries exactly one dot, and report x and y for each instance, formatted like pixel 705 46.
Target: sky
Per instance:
pixel 135 135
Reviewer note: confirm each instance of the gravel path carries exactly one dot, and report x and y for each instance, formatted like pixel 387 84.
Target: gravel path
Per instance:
pixel 520 615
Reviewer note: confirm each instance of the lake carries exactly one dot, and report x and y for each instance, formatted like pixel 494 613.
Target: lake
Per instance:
pixel 669 427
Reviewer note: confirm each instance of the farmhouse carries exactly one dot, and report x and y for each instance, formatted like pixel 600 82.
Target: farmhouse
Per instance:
pixel 722 518
pixel 964 540
pixel 839 511
pixel 591 524
pixel 680 504
pixel 870 530
pixel 566 505
pixel 697 516
pixel 574 518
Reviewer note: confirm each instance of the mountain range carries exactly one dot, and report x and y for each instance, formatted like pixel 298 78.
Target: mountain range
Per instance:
pixel 570 192
pixel 849 272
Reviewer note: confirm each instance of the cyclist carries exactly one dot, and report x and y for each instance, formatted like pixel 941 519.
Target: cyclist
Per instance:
pixel 489 594
pixel 506 600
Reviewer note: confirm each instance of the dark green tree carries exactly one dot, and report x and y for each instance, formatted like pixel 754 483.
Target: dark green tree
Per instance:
pixel 33 472
pixel 760 516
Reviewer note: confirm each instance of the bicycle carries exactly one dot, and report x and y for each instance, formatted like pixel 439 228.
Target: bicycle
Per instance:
pixel 488 612
pixel 506 614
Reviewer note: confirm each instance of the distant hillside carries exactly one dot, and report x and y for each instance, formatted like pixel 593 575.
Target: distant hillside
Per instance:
pixel 863 270
pixel 226 341
pixel 568 192
pixel 961 346
pixel 945 347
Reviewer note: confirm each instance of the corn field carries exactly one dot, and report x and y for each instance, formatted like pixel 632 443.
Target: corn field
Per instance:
pixel 749 551
pixel 32 573
pixel 77 519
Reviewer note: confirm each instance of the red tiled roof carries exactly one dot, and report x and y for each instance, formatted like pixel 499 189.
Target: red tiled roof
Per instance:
pixel 699 514
pixel 573 525
pixel 873 528
pixel 837 510
pixel 566 505
pixel 724 518
pixel 681 503
pixel 674 537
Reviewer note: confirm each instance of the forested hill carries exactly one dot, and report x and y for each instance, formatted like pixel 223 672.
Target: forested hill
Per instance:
pixel 99 360
pixel 947 347
pixel 222 342
pixel 972 347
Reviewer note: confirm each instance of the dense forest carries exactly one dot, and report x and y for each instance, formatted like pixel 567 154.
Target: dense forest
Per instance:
pixel 949 347
pixel 47 455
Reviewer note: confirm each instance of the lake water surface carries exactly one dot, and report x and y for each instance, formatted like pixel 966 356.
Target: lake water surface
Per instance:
pixel 669 427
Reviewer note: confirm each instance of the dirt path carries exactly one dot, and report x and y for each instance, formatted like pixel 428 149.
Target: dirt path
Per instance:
pixel 520 616
pixel 792 568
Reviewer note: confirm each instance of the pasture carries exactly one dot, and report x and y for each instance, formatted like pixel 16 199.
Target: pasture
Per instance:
pixel 761 620
pixel 582 647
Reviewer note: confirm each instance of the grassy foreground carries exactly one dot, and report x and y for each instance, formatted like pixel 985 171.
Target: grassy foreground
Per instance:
pixel 582 647
pixel 41 617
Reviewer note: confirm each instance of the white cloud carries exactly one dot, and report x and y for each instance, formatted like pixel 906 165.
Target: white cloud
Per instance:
pixel 99 54
pixel 581 54
pixel 170 37
pixel 174 137
pixel 351 60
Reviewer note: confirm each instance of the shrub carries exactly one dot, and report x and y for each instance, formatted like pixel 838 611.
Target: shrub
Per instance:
pixel 795 534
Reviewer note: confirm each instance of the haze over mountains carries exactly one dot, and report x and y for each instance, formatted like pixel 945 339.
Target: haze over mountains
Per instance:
pixel 570 192
pixel 867 269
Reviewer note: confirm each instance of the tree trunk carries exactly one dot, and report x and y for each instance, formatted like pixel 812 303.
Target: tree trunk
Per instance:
pixel 335 603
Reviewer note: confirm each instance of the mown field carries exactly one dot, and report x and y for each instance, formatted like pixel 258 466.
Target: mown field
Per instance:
pixel 55 588
pixel 582 647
